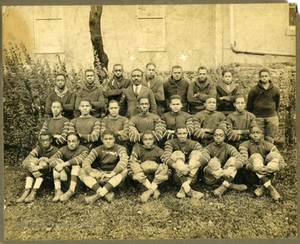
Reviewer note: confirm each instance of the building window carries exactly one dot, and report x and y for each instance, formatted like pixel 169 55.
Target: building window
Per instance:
pixel 48 25
pixel 151 28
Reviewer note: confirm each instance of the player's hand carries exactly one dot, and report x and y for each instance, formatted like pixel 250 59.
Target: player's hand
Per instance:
pixel 183 169
pixel 107 177
pixel 218 173
pixel 260 170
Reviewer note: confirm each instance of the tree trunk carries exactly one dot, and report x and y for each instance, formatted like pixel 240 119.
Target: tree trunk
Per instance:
pixel 100 57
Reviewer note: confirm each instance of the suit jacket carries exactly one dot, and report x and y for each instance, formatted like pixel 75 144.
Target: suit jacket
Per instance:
pixel 129 101
pixel 157 87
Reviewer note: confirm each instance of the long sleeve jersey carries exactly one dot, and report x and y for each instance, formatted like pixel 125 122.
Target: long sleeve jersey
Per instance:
pixel 223 152
pixel 89 128
pixel 172 87
pixel 172 119
pixel 142 122
pixel 67 100
pixel 74 157
pixel 109 159
pixel 119 123
pixel 57 126
pixel 197 94
pixel 141 154
pixel 239 121
pixel 175 145
pixel 115 87
pixel 262 102
pixel 208 120
pixel 39 152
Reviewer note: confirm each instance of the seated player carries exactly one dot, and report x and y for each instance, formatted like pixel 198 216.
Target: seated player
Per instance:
pixel 36 164
pixel 57 126
pixel 263 159
pixel 68 159
pixel 104 168
pixel 183 156
pixel 145 121
pixel 176 117
pixel 223 163
pixel 145 163
pixel 88 127
pixel 239 122
pixel 117 123
pixel 207 120
pixel 227 90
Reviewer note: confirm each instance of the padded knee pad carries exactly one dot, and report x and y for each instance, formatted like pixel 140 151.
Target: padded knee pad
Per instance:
pixel 149 167
pixel 178 155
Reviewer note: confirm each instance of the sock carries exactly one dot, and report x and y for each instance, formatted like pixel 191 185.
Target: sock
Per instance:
pixel 147 184
pixel 29 182
pixel 38 183
pixel 226 183
pixel 95 187
pixel 267 184
pixel 102 191
pixel 115 181
pixel 154 186
pixel 73 183
pixel 57 184
pixel 186 186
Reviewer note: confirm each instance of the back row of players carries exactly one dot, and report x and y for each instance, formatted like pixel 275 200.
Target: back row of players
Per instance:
pixel 176 144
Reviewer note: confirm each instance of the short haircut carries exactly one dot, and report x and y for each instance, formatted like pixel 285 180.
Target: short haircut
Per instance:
pixel 107 132
pixel 148 132
pixel 137 70
pixel 219 128
pixel 202 67
pixel 85 99
pixel 255 127
pixel 227 71
pixel 89 70
pixel 46 133
pixel 118 65
pixel 148 64
pixel 61 74
pixel 240 96
pixel 181 126
pixel 263 70
pixel 113 101
pixel 143 98
pixel 73 134
pixel 57 101
pixel 176 67
pixel 176 96
pixel 209 97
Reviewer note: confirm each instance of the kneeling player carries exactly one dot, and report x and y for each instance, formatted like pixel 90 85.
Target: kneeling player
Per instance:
pixel 145 161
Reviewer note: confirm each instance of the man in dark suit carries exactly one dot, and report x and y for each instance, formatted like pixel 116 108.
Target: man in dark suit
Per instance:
pixel 129 101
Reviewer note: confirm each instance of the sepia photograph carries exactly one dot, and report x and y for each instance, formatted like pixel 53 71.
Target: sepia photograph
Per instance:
pixel 172 121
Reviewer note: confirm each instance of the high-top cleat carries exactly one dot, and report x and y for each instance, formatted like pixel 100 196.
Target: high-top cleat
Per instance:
pixel 66 196
pixel 31 196
pixel 57 195
pixel 273 193
pixel 220 190
pixel 156 194
pixel 259 191
pixel 195 194
pixel 92 199
pixel 109 196
pixel 238 187
pixel 146 195
pixel 23 196
pixel 181 193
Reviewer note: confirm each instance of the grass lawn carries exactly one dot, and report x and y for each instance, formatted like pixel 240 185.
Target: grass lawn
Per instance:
pixel 235 215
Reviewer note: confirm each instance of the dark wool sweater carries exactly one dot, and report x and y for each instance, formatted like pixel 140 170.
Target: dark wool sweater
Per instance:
pixel 263 103
pixel 115 87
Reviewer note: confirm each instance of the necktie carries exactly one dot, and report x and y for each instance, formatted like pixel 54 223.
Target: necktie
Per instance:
pixel 136 92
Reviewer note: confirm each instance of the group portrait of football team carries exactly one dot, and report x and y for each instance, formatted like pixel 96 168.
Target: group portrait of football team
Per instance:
pixel 151 132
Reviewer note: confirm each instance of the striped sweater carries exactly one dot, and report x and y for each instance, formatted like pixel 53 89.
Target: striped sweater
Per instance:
pixel 118 124
pixel 57 126
pixel 109 159
pixel 141 154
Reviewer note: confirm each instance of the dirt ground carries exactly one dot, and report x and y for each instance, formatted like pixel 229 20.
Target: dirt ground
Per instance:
pixel 235 215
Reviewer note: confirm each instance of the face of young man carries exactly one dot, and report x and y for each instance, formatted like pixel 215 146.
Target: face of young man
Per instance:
pixel 60 82
pixel 264 77
pixel 227 78
pixel 150 72
pixel 144 105
pixel 73 142
pixel 182 134
pixel 108 140
pixel 175 105
pixel 118 71
pixel 56 109
pixel 177 73
pixel 219 136
pixel 114 109
pixel 85 108
pixel 202 75
pixel 90 77
pixel 148 141
pixel 136 77
pixel 210 104
pixel 240 104
pixel 45 141
pixel 256 134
